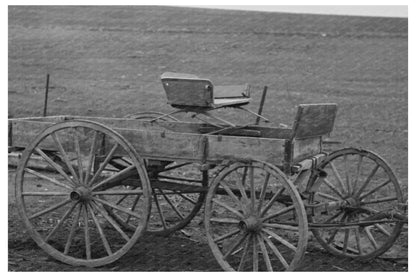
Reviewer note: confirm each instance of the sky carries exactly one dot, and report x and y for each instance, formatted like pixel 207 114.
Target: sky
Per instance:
pixel 364 10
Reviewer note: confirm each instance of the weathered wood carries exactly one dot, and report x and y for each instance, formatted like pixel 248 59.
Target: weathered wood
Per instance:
pixel 304 148
pixel 234 132
pixel 313 120
pixel 188 91
pixel 180 127
pixel 160 144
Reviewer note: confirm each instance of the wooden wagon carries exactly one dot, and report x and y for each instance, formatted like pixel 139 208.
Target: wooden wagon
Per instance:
pixel 87 188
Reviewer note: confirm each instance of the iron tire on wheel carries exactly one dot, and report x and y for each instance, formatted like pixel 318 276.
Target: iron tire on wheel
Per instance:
pixel 64 209
pixel 366 182
pixel 241 228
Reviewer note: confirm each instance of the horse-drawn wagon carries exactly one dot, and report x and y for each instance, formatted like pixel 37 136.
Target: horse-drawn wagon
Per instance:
pixel 87 188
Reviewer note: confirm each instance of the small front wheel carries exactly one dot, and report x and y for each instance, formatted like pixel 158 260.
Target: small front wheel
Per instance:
pixel 361 204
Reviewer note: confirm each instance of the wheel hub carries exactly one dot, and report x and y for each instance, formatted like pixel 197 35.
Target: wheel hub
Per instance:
pixel 80 194
pixel 250 224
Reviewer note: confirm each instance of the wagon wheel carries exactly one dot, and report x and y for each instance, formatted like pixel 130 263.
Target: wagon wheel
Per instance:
pixel 151 115
pixel 368 222
pixel 255 219
pixel 178 191
pixel 64 209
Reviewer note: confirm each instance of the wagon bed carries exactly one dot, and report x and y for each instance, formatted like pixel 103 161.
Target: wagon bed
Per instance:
pixel 183 141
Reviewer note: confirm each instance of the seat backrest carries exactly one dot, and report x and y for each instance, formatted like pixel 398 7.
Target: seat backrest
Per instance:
pixel 314 120
pixel 186 90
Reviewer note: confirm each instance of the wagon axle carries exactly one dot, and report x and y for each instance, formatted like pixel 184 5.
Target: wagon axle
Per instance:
pixel 81 193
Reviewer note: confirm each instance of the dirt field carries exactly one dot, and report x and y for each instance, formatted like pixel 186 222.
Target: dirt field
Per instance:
pixel 107 62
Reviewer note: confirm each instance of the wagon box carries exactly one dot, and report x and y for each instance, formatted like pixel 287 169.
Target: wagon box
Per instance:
pixel 183 140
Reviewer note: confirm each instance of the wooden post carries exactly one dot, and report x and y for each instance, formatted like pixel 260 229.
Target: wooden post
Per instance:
pixel 45 106
pixel 263 98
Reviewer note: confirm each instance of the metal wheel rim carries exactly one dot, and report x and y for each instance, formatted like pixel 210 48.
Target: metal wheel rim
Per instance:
pixel 21 204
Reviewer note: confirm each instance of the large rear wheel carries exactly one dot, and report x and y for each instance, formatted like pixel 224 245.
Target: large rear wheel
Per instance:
pixel 65 208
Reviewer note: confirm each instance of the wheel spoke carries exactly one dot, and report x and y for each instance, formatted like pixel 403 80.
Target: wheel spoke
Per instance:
pixel 346 240
pixel 271 201
pixel 244 255
pixel 264 252
pixel 233 196
pixel 65 156
pixel 380 200
pixel 104 213
pixel 281 212
pixel 370 237
pixel 280 239
pixel 118 192
pixel 252 191
pixel 241 185
pixel 113 177
pixel 227 235
pixel 127 211
pixel 234 211
pixel 360 161
pixel 74 226
pixel 44 193
pixel 87 234
pixel 255 255
pixel 162 218
pixel 263 191
pixel 332 237
pixel 327 196
pixel 104 164
pixel 276 252
pixel 357 239
pixel 79 156
pixel 375 189
pixel 235 245
pixel 55 165
pixel 172 205
pixel 367 181
pixel 347 174
pixel 333 188
pixel 333 217
pixel 61 221
pixel 136 200
pixel 52 208
pixel 339 179
pixel 383 230
pixel 186 198
pixel 44 177
pixel 100 231
pixel 91 157
pixel 281 226
pixel 224 220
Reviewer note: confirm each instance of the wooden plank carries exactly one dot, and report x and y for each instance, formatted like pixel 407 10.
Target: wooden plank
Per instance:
pixel 164 145
pixel 180 127
pixel 305 148
pixel 188 92
pixel 313 120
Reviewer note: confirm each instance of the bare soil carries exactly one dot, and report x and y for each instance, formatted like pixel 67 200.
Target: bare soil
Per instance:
pixel 106 61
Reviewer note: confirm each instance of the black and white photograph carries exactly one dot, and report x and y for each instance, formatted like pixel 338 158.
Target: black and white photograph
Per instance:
pixel 205 137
